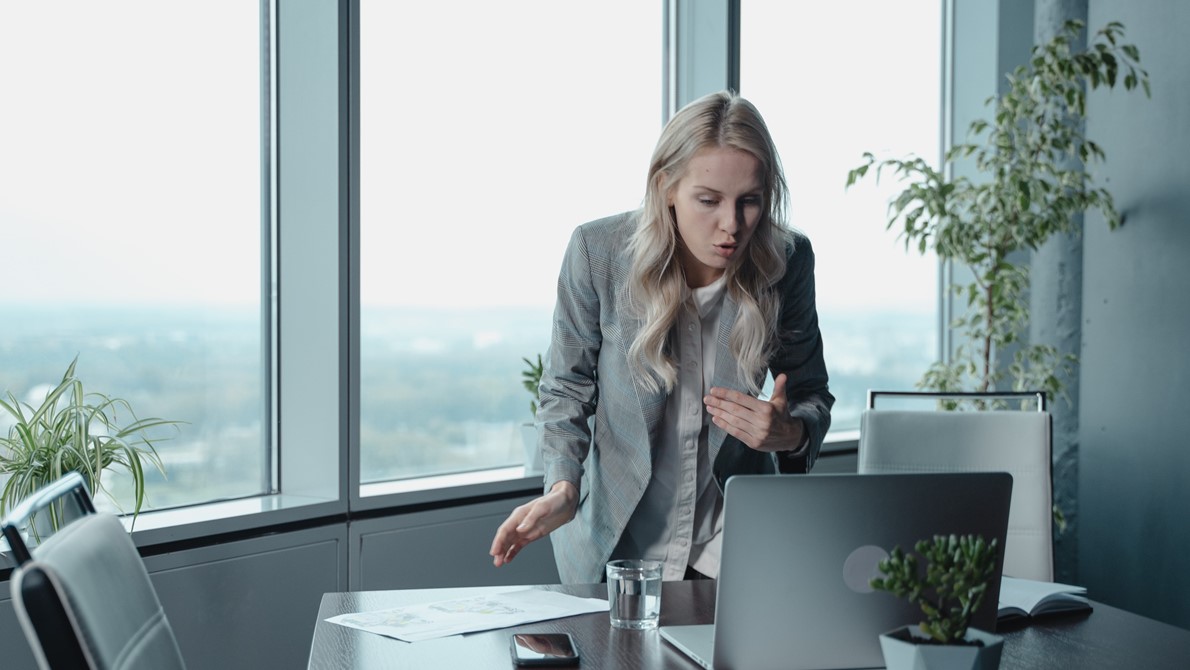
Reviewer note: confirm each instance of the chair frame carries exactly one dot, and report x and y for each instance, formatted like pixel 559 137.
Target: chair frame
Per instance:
pixel 71 487
pixel 59 645
pixel 1039 396
pixel 83 596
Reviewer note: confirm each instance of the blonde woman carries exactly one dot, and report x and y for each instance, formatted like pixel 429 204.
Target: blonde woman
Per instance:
pixel 667 322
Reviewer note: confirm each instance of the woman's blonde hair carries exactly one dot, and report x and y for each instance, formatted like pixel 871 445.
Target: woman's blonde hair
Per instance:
pixel 657 281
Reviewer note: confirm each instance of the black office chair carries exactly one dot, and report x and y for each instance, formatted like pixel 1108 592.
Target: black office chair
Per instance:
pixel 83 595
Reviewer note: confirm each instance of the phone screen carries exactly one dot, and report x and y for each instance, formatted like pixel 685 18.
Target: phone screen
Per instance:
pixel 543 649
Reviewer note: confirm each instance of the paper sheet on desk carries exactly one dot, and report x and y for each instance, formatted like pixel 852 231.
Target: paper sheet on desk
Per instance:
pixel 427 621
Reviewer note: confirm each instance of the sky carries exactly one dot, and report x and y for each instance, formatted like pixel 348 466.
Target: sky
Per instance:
pixel 130 165
pixel 130 172
pixel 833 87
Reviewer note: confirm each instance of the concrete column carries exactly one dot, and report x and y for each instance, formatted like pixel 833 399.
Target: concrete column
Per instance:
pixel 1056 289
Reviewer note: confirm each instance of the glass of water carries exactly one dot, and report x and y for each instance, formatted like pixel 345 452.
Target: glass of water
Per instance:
pixel 634 593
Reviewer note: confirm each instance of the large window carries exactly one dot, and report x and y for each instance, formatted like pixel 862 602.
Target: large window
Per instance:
pixel 833 84
pixel 488 131
pixel 130 230
pixel 130 169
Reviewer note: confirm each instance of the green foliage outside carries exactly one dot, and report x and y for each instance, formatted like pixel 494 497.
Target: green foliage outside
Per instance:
pixel 957 571
pixel 1033 162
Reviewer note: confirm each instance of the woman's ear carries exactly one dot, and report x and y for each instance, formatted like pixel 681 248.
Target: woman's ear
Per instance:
pixel 661 178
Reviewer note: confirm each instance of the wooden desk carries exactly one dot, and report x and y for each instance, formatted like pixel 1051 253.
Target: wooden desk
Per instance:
pixel 1107 638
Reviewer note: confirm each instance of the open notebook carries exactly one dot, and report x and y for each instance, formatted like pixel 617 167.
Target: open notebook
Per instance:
pixel 799 551
pixel 1026 598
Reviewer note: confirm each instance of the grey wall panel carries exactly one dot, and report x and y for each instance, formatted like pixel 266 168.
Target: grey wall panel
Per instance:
pixel 253 603
pixel 440 548
pixel 250 603
pixel 1134 462
pixel 14 650
pixel 246 604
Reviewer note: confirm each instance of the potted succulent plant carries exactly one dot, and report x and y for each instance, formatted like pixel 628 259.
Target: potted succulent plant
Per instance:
pixel 74 430
pixel 531 379
pixel 949 588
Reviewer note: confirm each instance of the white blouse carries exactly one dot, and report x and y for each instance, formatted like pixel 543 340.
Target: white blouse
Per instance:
pixel 679 518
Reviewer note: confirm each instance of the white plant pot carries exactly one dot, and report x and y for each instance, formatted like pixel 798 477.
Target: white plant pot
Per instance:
pixel 533 464
pixel 902 652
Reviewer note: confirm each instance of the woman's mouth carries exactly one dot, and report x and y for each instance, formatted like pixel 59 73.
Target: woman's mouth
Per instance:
pixel 725 250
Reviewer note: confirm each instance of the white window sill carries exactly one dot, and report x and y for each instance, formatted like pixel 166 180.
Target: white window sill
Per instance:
pixel 193 523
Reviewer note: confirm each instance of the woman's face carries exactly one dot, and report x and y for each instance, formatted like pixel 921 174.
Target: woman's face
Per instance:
pixel 717 204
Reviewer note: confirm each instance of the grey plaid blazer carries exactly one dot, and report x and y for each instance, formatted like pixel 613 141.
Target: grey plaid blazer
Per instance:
pixel 597 428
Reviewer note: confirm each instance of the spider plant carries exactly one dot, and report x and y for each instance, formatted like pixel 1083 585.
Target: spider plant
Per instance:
pixel 74 430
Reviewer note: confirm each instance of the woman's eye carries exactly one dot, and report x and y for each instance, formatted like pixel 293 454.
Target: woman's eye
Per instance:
pixel 707 202
pixel 752 201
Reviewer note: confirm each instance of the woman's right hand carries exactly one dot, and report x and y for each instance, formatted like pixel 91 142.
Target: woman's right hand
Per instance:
pixel 533 521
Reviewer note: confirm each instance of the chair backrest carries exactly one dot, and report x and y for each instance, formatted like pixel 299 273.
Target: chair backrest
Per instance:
pixel 83 596
pixel 1014 441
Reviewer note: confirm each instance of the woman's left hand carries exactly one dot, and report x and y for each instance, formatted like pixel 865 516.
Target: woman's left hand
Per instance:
pixel 764 425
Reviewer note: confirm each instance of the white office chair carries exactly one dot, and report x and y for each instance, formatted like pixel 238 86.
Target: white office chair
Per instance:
pixel 83 595
pixel 1010 440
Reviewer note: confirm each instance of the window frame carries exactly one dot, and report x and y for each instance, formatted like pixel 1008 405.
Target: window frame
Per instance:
pixel 311 288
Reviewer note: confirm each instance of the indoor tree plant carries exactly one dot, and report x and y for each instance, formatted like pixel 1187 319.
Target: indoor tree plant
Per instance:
pixel 1031 185
pixel 74 430
pixel 950 589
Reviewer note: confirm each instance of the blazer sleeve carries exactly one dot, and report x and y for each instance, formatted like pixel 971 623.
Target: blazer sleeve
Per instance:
pixel 799 356
pixel 568 392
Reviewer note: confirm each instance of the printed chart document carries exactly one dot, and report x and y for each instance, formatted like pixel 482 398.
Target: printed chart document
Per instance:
pixel 1023 598
pixel 427 621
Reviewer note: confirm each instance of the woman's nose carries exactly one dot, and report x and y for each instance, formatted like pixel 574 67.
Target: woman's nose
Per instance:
pixel 733 220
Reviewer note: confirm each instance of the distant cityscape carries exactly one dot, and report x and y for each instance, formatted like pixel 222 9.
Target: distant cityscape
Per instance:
pixel 440 390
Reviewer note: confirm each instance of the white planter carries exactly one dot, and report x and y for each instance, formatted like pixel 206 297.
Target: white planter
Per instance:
pixel 533 464
pixel 901 652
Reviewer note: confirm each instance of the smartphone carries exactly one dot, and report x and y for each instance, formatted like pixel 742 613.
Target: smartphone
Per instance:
pixel 544 649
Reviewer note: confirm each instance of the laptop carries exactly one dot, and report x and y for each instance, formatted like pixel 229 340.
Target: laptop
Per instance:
pixel 798 552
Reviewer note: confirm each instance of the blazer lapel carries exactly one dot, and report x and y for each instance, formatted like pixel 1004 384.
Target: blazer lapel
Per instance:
pixel 730 457
pixel 652 403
